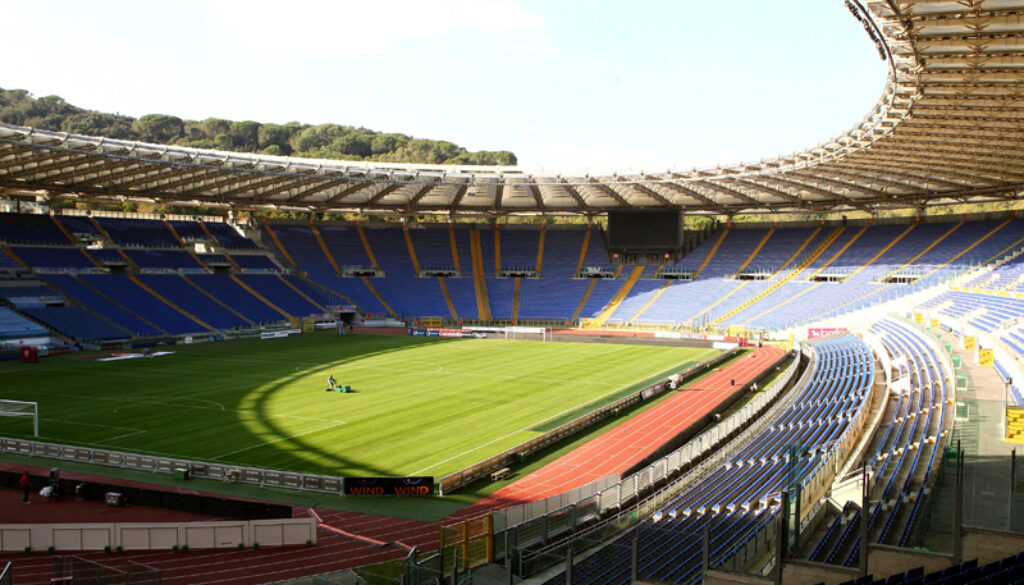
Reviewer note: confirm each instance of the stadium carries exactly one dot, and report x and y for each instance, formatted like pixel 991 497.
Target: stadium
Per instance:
pixel 804 369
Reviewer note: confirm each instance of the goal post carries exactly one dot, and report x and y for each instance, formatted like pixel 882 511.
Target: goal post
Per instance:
pixel 513 333
pixel 23 409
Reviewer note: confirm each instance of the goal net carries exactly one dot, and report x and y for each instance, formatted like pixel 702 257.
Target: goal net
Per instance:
pixel 19 408
pixel 513 333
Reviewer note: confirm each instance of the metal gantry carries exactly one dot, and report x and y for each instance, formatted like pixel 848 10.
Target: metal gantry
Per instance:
pixel 949 128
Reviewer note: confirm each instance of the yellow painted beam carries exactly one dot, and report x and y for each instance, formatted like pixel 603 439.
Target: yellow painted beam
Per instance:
pixel 324 248
pixel 223 305
pixel 789 277
pixel 373 290
pixel 515 301
pixel 841 251
pixel 170 304
pixel 799 250
pixel 627 286
pixel 651 300
pixel 753 254
pixel 412 250
pixel 540 250
pixel 253 292
pixel 174 232
pixel 209 234
pixel 945 235
pixel 99 228
pixel 786 301
pixel 301 294
pixel 708 308
pixel 479 279
pixel 968 248
pixel 277 241
pixel 331 291
pixel 366 246
pixel 711 254
pixel 110 300
pixel 881 252
pixel 455 250
pixel 67 234
pixel 583 301
pixel 15 257
pixel 583 251
pixel 448 298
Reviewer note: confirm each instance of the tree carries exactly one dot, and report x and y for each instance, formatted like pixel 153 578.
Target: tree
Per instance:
pixel 275 135
pixel 159 128
pixel 213 126
pixel 245 135
pixel 383 143
pixel 99 124
pixel 352 144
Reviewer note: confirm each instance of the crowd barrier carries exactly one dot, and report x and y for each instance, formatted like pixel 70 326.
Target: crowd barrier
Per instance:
pixel 157 536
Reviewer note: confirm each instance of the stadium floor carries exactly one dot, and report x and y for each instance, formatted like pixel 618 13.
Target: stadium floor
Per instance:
pixel 336 552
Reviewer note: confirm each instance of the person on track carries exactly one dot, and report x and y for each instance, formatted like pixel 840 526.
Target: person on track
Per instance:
pixel 25 483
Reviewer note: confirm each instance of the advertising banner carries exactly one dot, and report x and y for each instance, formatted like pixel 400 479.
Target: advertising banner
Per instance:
pixel 389 486
pixel 823 331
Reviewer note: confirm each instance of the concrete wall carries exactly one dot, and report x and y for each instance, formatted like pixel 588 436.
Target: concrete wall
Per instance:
pixel 807 573
pixel 989 545
pixel 716 577
pixel 143 536
pixel 886 560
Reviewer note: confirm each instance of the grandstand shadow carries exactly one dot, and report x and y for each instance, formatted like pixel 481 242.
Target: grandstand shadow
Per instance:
pixel 296 444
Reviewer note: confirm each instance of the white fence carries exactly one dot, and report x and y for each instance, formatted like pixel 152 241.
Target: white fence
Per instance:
pixel 160 536
pixel 198 469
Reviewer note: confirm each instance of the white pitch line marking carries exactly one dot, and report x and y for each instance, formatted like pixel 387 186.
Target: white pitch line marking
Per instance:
pixel 278 440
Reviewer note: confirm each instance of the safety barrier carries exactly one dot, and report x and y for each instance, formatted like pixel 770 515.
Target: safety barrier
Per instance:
pixel 157 536
pixel 168 466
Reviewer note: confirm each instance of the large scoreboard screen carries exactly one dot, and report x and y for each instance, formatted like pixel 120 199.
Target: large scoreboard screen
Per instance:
pixel 645 230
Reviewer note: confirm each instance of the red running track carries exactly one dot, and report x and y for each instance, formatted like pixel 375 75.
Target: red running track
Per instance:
pixel 631 442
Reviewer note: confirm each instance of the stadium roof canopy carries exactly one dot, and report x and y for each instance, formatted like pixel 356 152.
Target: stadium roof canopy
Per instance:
pixel 949 128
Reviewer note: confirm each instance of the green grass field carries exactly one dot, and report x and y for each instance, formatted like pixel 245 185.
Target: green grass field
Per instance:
pixel 420 406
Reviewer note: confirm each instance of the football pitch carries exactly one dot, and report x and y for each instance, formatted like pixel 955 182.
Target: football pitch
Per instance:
pixel 419 406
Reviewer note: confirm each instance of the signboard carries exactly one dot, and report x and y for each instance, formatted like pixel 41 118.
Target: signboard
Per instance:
pixel 970 342
pixel 460 333
pixel 919 317
pixel 824 331
pixel 985 357
pixel 389 486
pixel 279 333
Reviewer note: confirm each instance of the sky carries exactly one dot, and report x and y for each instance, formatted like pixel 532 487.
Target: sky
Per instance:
pixel 564 84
